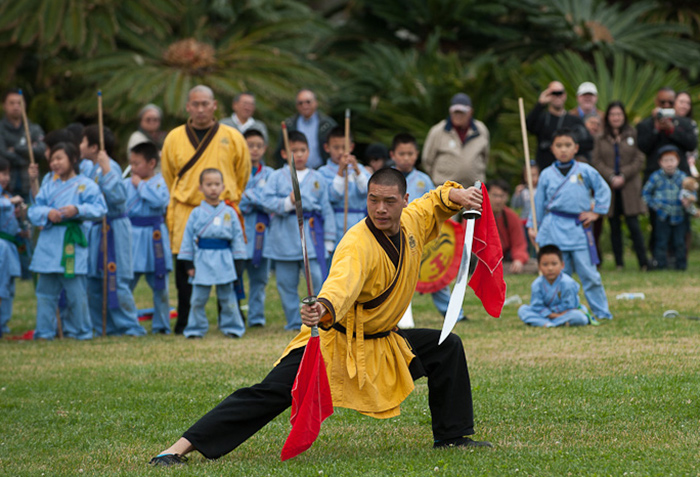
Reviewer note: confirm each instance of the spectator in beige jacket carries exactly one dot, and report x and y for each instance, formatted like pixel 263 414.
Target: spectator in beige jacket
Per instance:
pixel 457 148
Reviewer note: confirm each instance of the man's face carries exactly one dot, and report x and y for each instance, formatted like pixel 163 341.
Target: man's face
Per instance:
pixel 13 106
pixel 405 156
pixel 498 198
pixel 335 147
pixel 587 101
pixel 257 148
pixel 665 99
pixel 564 148
pixel 201 107
pixel 306 104
pixel 384 207
pixel 558 93
pixel 550 266
pixel 669 162
pixel 460 119
pixel 244 107
pixel 593 125
pixel 212 186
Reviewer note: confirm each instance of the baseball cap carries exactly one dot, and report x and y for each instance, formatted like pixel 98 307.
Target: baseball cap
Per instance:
pixel 668 148
pixel 460 102
pixel 587 88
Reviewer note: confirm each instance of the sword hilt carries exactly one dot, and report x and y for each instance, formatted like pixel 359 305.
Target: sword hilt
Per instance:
pixel 311 300
pixel 472 214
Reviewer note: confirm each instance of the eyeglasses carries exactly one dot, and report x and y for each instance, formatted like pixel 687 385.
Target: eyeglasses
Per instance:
pixel 304 101
pixel 557 93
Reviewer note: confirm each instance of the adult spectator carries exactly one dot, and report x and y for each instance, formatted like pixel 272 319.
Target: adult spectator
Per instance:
pixel 665 128
pixel 457 148
pixel 620 162
pixel 548 116
pixel 13 143
pixel 683 106
pixel 314 124
pixel 516 258
pixel 587 101
pixel 242 117
pixel 150 119
pixel 188 150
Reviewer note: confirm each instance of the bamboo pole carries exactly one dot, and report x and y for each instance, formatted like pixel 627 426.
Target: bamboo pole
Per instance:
pixel 104 223
pixel 528 171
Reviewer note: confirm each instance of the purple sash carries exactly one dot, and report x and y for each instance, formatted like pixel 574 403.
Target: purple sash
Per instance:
pixel 155 221
pixel 592 251
pixel 316 228
pixel 112 298
pixel 262 221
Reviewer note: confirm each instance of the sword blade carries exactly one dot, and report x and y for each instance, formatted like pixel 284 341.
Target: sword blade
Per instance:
pixel 460 288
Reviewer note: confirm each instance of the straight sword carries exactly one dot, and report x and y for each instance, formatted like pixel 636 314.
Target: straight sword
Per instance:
pixel 457 296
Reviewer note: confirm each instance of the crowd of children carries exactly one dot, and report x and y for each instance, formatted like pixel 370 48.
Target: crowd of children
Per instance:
pixel 84 206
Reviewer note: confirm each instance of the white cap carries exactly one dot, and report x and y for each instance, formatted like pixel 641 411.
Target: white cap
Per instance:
pixel 587 88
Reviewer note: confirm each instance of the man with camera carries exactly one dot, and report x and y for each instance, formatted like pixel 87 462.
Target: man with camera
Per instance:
pixel 548 116
pixel 663 128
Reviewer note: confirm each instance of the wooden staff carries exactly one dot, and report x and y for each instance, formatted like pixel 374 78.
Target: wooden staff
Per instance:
pixel 528 172
pixel 347 172
pixel 26 128
pixel 104 223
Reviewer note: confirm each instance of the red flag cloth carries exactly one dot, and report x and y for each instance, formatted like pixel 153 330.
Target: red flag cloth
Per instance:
pixel 311 401
pixel 487 279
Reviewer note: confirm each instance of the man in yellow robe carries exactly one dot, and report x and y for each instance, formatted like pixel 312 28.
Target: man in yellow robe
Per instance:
pixel 371 365
pixel 200 144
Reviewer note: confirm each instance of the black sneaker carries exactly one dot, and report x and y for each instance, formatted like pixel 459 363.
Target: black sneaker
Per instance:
pixel 167 460
pixel 460 442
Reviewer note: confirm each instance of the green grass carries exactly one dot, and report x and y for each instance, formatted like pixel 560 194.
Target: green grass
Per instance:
pixel 619 399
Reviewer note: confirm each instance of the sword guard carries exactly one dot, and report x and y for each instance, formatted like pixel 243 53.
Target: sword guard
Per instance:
pixel 471 214
pixel 309 300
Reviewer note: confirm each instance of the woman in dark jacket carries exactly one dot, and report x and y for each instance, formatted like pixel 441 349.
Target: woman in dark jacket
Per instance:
pixel 620 162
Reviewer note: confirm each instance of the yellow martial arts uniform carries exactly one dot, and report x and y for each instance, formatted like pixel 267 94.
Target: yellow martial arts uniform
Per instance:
pixel 368 289
pixel 222 148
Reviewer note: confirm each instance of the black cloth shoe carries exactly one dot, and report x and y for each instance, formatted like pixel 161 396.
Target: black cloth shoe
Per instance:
pixel 460 442
pixel 167 460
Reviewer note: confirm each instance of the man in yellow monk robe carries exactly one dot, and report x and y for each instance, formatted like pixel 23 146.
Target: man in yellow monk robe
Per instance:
pixel 202 143
pixel 371 364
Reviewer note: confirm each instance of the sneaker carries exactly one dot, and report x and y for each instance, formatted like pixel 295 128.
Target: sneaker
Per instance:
pixel 592 321
pixel 460 442
pixel 167 460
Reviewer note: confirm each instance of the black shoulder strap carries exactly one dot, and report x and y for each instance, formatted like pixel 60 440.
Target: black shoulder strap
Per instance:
pixel 200 147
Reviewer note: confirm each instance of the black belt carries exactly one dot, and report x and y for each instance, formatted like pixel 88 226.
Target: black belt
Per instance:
pixel 371 336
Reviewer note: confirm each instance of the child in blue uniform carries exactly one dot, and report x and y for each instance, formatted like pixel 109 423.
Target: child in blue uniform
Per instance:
pixel 61 255
pixel 334 172
pixel 10 267
pixel 213 239
pixel 256 224
pixel 121 309
pixel 566 191
pixel 283 241
pixel 147 196
pixel 554 298
pixel 404 153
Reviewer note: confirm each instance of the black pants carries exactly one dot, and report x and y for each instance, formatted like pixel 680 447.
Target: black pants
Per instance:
pixel 248 410
pixel 635 233
pixel 184 293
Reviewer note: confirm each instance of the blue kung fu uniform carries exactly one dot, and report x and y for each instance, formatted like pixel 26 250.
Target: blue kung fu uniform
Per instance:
pixel 558 297
pixel 283 243
pixel 10 267
pixel 417 185
pixel 121 309
pixel 213 239
pixel 357 195
pixel 145 206
pixel 256 223
pixel 61 255
pixel 559 200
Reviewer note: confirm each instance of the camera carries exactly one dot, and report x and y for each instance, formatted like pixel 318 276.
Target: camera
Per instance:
pixel 665 113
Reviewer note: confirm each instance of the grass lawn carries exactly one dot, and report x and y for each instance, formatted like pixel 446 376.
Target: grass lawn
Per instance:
pixel 619 399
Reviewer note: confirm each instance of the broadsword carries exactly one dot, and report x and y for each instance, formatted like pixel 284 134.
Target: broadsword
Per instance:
pixel 457 296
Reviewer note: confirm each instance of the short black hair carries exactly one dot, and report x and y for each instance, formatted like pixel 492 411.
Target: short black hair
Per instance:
pixel 376 151
pixel 298 136
pixel 337 131
pixel 549 250
pixel 59 135
pixel 211 170
pixel 148 150
pixel 568 132
pixel 69 148
pixel 500 183
pixel 77 130
pixel 254 133
pixel 403 138
pixel 389 177
pixel 9 92
pixel 92 133
pixel 4 164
